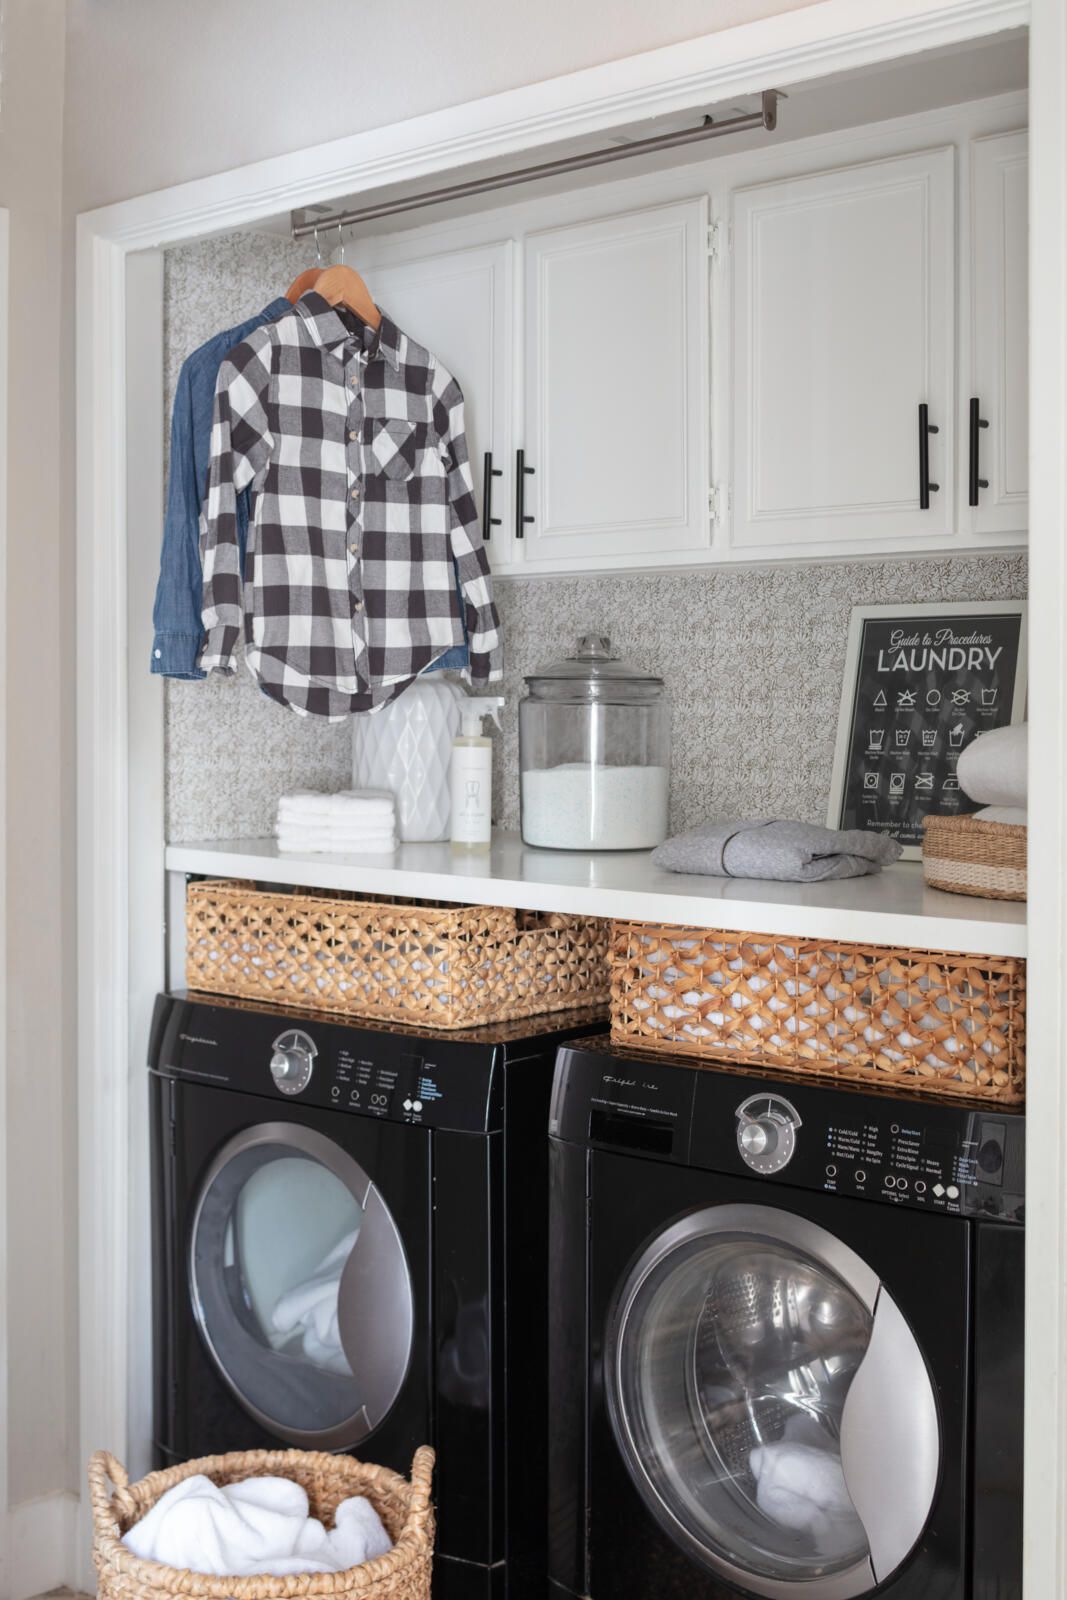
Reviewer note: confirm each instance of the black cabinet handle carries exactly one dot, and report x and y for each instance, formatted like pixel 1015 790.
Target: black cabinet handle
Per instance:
pixel 974 482
pixel 926 428
pixel 489 472
pixel 521 471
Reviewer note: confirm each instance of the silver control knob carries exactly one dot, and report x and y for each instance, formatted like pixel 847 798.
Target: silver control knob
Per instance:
pixel 766 1132
pixel 758 1138
pixel 292 1062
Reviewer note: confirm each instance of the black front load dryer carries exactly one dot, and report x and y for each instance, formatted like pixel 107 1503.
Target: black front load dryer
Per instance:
pixel 349 1245
pixel 785 1338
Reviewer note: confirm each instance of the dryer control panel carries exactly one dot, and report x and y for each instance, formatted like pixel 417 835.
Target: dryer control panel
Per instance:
pixel 941 1156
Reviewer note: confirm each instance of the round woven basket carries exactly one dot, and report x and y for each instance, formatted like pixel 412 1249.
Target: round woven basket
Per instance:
pixel 967 855
pixel 404 1507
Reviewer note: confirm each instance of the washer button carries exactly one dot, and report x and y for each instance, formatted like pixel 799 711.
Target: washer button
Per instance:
pixel 859 1175
pixel 939 1189
pixel 416 1105
pixel 831 1171
pixel 952 1192
pixel 920 1187
pixel 902 1183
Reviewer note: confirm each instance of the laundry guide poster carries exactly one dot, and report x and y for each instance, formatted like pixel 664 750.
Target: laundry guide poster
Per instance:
pixel 921 682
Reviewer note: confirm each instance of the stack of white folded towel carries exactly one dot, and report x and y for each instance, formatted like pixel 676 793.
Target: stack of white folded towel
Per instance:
pixel 258 1526
pixel 354 822
pixel 992 771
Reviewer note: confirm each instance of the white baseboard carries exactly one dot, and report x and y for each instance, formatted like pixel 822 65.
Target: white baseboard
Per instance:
pixel 40 1546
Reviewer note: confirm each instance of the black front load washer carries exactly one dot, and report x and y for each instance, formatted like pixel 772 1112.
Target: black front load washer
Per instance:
pixel 785 1338
pixel 350 1236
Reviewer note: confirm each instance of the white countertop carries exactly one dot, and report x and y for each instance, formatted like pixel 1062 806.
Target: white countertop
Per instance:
pixel 892 907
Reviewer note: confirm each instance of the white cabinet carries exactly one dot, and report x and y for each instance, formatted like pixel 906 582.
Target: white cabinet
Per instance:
pixel 460 306
pixel 994 487
pixel 843 326
pixel 616 353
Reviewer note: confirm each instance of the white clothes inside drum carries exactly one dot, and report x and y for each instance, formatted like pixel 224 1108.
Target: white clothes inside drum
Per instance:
pixel 308 1311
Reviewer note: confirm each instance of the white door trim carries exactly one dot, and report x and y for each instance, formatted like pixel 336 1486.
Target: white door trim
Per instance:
pixel 833 36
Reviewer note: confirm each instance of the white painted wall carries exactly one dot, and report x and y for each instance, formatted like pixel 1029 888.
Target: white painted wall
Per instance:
pixel 158 92
pixel 38 647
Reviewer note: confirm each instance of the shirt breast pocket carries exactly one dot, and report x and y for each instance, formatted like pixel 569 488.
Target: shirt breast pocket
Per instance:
pixel 403 450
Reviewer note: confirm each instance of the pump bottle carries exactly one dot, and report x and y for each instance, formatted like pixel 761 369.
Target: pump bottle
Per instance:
pixel 472 774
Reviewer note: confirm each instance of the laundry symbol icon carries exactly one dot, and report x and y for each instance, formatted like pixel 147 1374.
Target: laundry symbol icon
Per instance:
pixel 933 698
pixel 896 783
pixel 906 700
pixel 961 697
pixel 880 701
pixel 924 780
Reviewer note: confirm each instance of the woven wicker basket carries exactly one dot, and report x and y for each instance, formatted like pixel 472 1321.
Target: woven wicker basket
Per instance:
pixel 967 855
pixel 405 1508
pixel 910 1019
pixel 440 966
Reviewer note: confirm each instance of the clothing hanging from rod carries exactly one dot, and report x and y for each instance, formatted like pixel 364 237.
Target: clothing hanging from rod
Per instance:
pixel 178 632
pixel 354 442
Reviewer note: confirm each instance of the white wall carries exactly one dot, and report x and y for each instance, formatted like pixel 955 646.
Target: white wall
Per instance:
pixel 38 645
pixel 159 91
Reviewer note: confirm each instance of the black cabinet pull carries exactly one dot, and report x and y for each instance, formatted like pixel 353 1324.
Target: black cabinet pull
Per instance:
pixel 926 428
pixel 974 482
pixel 521 471
pixel 489 472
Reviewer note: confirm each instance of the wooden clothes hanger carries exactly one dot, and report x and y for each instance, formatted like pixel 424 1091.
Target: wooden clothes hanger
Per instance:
pixel 338 285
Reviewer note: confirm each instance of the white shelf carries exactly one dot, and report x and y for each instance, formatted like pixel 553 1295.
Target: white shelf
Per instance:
pixel 892 907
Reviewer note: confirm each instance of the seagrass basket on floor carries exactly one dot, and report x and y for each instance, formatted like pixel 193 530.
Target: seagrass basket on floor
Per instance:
pixel 396 961
pixel 922 1021
pixel 404 1506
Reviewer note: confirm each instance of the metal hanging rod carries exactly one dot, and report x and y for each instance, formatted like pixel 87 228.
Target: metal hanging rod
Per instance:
pixel 766 117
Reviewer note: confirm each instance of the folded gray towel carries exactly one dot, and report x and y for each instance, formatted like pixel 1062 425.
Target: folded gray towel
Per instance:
pixel 791 852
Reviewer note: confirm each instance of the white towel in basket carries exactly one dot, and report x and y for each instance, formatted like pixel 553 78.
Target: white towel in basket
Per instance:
pixel 258 1526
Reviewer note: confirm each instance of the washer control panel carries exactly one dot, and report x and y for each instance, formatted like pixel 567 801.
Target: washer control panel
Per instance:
pixel 767 1131
pixel 293 1061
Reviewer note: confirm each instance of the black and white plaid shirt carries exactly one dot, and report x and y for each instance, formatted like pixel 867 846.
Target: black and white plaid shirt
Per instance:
pixel 354 445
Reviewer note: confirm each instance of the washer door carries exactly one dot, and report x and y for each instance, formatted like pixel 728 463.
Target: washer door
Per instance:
pixel 772 1404
pixel 301 1286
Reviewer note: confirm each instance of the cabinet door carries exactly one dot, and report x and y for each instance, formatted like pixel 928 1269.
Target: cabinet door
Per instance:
pixel 844 317
pixel 459 305
pixel 998 335
pixel 616 388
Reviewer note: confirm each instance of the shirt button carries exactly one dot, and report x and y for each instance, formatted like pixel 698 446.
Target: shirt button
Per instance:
pixel 357 605
pixel 354 382
pixel 354 549
pixel 158 654
pixel 352 434
pixel 355 494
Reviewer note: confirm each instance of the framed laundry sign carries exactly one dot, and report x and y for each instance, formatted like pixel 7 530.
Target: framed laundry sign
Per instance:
pixel 921 681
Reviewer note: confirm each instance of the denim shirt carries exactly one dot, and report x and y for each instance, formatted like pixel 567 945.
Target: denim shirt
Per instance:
pixel 176 615
pixel 179 632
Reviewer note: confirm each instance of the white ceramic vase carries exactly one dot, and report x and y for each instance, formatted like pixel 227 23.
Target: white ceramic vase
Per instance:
pixel 407 748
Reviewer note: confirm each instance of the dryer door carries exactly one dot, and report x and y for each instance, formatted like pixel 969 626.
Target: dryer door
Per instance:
pixel 772 1405
pixel 301 1286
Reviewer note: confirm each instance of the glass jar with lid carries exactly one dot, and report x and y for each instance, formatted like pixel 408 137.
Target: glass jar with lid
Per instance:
pixel 594 753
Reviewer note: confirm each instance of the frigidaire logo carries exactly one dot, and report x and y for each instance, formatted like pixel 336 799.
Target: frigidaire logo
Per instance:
pixel 194 1038
pixel 623 1083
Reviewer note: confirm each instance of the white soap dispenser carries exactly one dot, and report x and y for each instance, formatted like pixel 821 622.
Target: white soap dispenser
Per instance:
pixel 472 774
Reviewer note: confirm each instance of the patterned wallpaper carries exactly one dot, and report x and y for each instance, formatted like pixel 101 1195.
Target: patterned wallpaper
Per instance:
pixel 752 659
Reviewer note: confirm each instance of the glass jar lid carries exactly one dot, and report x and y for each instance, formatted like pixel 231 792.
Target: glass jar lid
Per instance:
pixel 594 673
